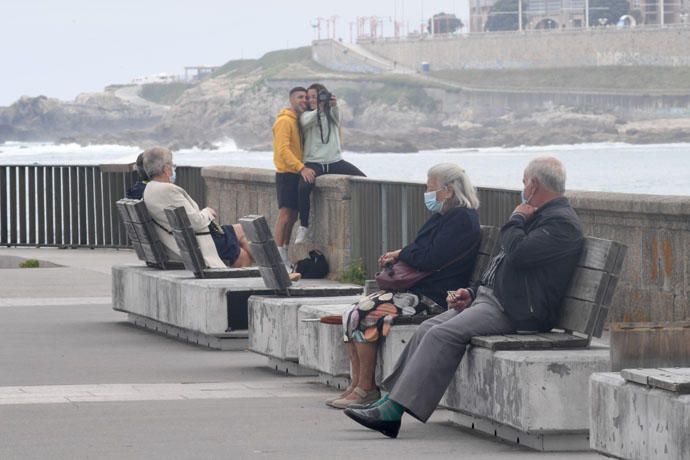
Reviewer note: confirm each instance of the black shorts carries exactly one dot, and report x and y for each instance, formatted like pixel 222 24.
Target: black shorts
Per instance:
pixel 286 189
pixel 227 245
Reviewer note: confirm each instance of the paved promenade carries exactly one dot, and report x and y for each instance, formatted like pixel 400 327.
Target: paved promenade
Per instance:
pixel 77 381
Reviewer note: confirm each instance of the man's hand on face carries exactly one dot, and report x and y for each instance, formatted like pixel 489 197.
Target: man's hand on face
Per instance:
pixel 308 174
pixel 524 209
pixel 459 299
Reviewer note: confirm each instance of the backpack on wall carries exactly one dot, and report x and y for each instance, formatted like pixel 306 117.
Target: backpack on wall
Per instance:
pixel 314 266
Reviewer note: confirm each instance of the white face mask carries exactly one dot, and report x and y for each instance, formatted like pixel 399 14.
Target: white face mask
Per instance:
pixel 431 203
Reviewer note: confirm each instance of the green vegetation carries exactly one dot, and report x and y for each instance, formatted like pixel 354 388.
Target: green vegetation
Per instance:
pixel 392 93
pixel 355 273
pixel 504 16
pixel 273 60
pixel 627 79
pixel 164 93
pixel 29 263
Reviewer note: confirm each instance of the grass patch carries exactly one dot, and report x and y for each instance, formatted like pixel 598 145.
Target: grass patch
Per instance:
pixel 606 78
pixel 271 60
pixel 392 93
pixel 164 93
pixel 30 263
pixel 355 273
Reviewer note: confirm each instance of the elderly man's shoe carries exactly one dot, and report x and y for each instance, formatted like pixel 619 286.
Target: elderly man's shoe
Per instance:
pixel 371 419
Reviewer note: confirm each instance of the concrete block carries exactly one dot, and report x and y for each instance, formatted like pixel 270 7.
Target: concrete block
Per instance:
pixel 200 305
pixel 321 345
pixel 629 420
pixel 273 323
pixel 532 391
pixel 393 346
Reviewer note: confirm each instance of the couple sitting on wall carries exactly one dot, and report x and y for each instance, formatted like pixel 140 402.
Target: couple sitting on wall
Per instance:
pixel 221 246
pixel 520 290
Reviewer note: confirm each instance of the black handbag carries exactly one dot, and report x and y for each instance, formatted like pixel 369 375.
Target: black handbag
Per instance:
pixel 314 266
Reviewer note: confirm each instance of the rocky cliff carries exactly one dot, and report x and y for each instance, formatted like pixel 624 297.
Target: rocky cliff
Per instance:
pixel 380 112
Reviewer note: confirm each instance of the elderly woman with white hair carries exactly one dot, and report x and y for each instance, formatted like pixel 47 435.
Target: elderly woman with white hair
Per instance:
pixel 445 247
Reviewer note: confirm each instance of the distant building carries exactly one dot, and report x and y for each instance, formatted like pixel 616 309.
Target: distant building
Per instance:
pixel 158 78
pixel 566 14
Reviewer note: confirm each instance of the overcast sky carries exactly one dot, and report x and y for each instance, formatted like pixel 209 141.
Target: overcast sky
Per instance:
pixel 60 48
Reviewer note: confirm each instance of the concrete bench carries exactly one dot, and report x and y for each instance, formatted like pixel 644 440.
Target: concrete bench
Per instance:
pixel 532 389
pixel 210 311
pixel 641 413
pixel 142 234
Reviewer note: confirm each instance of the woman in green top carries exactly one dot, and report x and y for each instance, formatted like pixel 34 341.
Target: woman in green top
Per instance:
pixel 322 150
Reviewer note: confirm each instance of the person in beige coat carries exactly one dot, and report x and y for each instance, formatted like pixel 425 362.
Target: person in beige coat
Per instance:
pixel 230 245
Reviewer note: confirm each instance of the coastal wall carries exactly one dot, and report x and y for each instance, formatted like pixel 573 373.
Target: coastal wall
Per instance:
pixel 541 49
pixel 654 285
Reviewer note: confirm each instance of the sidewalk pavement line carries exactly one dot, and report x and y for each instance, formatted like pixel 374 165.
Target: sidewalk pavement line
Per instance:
pixel 69 394
pixel 52 301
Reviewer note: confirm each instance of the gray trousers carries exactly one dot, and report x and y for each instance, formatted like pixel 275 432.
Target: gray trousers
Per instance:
pixel 430 359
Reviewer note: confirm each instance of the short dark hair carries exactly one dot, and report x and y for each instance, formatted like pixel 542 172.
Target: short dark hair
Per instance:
pixel 297 89
pixel 140 168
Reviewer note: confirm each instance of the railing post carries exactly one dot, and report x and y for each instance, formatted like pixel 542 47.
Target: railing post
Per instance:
pixel 384 218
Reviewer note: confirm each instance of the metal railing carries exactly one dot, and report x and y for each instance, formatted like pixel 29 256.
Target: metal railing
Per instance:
pixel 387 215
pixel 71 206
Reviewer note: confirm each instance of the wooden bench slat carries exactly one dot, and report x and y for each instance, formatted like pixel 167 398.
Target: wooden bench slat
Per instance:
pixel 265 254
pixel 588 285
pixel 599 254
pixel 667 378
pixel 531 340
pixel 275 277
pixel 578 315
pixel 496 342
pixel 565 340
pixel 489 242
pixel 256 228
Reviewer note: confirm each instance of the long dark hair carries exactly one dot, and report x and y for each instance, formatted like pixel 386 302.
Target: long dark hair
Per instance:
pixel 326 109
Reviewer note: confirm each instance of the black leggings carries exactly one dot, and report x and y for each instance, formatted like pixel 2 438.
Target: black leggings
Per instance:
pixel 305 188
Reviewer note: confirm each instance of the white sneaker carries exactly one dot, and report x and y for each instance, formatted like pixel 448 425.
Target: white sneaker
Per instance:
pixel 302 235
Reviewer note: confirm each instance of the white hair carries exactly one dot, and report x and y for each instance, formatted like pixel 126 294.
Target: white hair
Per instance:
pixel 454 176
pixel 549 171
pixel 156 159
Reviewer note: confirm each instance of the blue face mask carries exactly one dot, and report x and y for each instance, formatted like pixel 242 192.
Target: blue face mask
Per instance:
pixel 431 203
pixel 174 176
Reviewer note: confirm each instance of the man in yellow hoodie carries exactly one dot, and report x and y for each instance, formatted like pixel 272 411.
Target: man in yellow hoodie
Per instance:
pixel 287 157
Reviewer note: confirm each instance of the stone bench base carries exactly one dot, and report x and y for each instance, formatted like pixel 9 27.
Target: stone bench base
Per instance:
pixel 236 340
pixel 274 322
pixel 578 440
pixel 199 308
pixel 321 346
pixel 629 420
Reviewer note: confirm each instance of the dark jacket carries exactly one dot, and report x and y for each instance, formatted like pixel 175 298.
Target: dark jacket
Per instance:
pixel 136 191
pixel 540 256
pixel 441 239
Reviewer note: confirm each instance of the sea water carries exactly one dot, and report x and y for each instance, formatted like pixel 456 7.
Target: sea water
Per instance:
pixel 662 169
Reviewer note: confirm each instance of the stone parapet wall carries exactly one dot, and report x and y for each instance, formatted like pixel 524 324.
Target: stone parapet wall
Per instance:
pixel 237 192
pixel 654 284
pixel 595 47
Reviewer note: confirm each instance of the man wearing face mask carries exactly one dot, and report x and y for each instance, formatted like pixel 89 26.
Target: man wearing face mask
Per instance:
pixel 227 243
pixel 521 290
